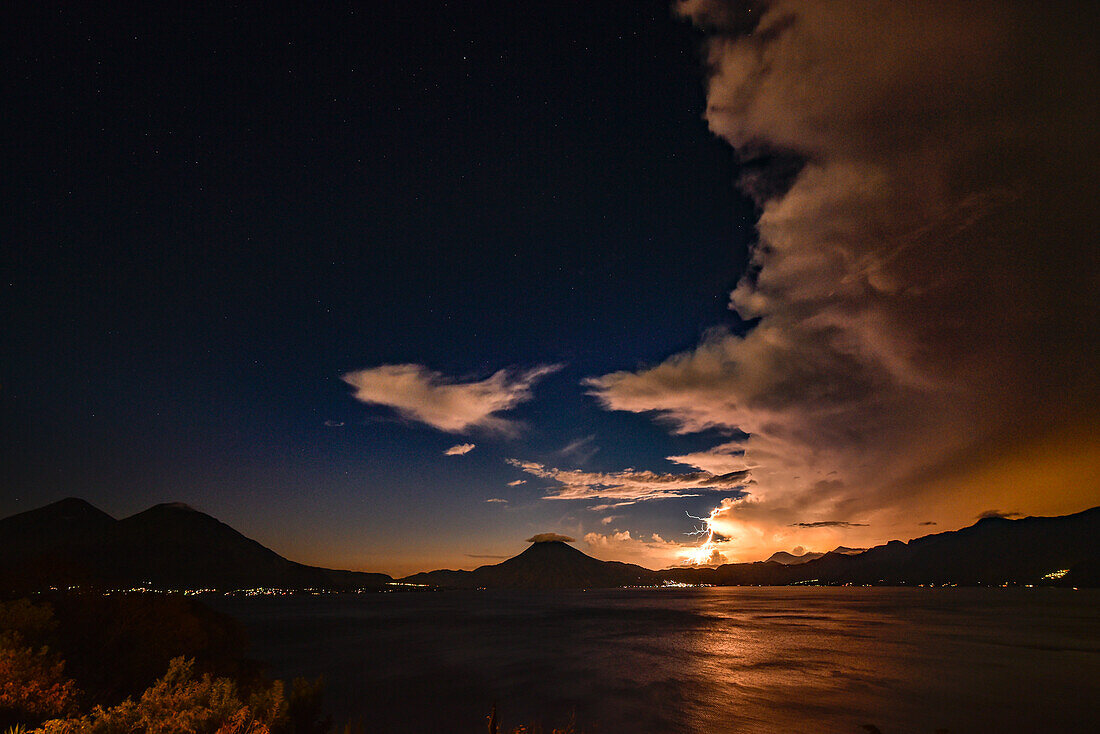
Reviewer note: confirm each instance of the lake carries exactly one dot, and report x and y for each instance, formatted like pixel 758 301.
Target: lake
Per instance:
pixel 733 659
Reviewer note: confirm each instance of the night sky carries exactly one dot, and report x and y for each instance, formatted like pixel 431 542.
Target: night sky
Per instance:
pixel 276 264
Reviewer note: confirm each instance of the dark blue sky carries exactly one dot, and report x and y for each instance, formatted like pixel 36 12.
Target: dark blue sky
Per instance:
pixel 213 211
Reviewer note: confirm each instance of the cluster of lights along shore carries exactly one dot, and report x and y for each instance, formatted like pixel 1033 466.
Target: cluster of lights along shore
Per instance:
pixel 150 588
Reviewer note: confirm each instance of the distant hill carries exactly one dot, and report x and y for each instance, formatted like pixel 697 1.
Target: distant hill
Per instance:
pixel 790 559
pixel 992 551
pixel 174 546
pixel 168 546
pixel 544 565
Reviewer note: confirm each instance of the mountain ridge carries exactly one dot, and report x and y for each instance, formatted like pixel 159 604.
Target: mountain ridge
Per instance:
pixel 172 545
pixel 790 559
pixel 992 551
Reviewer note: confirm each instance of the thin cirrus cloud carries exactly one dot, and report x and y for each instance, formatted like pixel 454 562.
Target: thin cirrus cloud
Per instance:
pixel 445 403
pixel 917 299
pixel 630 486
pixel 581 450
pixel 829 524
pixel 460 449
pixel 517 482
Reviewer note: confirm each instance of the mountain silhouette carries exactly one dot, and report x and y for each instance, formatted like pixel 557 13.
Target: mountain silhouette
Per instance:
pixel 993 551
pixel 790 559
pixel 72 543
pixel 71 522
pixel 544 565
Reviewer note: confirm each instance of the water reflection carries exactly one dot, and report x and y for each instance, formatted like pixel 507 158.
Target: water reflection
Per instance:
pixel 696 660
pixel 787 660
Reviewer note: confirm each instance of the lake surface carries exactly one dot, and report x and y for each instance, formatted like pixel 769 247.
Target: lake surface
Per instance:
pixel 743 659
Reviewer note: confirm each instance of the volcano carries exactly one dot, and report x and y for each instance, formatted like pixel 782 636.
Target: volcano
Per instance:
pixel 552 564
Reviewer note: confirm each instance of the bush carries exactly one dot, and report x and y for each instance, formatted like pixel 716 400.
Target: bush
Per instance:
pixel 139 634
pixel 33 684
pixel 118 655
pixel 181 703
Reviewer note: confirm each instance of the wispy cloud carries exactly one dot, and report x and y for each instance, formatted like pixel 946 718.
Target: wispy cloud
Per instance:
pixel 630 485
pixel 497 499
pixel 611 506
pixel 460 449
pixel 581 450
pixel 423 395
pixel 999 514
pixel 720 459
pixel 517 482
pixel 333 424
pixel 829 524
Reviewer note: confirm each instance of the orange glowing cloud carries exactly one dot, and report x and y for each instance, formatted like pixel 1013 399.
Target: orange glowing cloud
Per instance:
pixel 922 310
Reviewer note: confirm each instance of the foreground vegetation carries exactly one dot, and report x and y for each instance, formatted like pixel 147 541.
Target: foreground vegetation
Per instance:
pixel 121 665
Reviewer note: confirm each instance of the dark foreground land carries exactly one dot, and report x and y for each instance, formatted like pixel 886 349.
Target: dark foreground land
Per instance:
pixel 91 664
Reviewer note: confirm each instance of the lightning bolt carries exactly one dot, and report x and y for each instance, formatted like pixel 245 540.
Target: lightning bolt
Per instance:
pixel 703 554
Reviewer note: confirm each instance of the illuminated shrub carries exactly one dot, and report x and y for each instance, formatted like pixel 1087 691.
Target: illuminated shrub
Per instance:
pixel 116 655
pixel 181 703
pixel 33 685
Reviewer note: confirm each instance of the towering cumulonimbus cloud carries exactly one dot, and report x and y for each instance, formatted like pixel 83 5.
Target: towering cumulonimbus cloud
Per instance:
pixel 925 281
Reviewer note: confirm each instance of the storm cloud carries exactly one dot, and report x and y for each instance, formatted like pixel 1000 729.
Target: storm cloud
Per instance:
pixel 924 279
